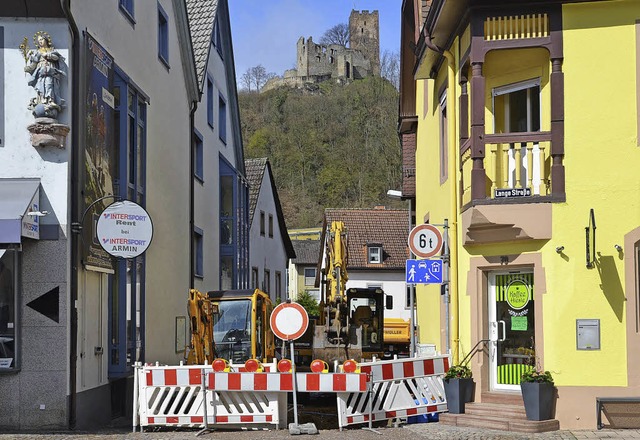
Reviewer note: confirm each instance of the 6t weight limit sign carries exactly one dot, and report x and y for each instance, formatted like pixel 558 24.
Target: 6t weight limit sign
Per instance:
pixel 425 241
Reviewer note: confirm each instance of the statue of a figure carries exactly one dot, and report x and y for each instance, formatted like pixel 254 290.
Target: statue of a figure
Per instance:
pixel 43 69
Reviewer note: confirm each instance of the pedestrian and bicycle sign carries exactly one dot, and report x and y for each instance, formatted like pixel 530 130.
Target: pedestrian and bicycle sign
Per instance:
pixel 425 241
pixel 424 272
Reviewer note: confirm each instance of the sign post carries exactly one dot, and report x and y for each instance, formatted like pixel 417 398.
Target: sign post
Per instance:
pixel 288 322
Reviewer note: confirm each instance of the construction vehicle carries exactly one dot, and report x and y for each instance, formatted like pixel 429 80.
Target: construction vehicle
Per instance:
pixel 351 321
pixel 229 324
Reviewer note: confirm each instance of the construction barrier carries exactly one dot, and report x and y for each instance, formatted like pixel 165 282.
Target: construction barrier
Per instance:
pixel 197 397
pixel 397 388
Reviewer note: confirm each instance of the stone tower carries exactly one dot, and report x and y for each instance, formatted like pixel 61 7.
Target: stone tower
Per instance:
pixel 364 35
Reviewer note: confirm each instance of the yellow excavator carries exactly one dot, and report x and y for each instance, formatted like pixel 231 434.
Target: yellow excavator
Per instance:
pixel 229 324
pixel 351 322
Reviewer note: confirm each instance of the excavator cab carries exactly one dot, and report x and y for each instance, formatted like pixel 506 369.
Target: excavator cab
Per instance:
pixel 366 318
pixel 230 324
pixel 241 327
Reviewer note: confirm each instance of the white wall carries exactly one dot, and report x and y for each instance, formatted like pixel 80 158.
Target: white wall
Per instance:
pixel 135 50
pixel 266 252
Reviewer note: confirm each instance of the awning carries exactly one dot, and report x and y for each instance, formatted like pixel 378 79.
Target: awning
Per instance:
pixel 17 197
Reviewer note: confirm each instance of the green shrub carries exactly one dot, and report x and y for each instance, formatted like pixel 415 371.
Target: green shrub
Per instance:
pixel 458 372
pixel 538 376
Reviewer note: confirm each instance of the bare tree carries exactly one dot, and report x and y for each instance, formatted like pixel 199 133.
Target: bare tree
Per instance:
pixel 390 67
pixel 338 34
pixel 255 77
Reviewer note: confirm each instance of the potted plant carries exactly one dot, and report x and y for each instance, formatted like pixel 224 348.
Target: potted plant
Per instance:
pixel 458 388
pixel 538 393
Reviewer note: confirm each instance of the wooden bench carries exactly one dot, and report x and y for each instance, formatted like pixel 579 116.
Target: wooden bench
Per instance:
pixel 621 412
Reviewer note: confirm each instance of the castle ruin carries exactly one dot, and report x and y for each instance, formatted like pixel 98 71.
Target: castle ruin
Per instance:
pixel 316 63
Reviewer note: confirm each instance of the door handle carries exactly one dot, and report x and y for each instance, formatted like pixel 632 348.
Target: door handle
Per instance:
pixel 504 330
pixel 493 331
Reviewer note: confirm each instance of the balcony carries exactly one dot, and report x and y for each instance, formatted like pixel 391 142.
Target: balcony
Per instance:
pixel 516 167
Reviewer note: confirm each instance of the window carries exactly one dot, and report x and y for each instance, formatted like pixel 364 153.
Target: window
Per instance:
pixel 278 286
pixel 198 156
pixel 309 276
pixel 163 36
pixel 126 7
pixel 210 101
pixel 516 107
pixel 262 225
pixel 234 228
pixel 198 252
pixel 374 254
pixel 266 283
pixel 254 278
pixel 127 285
pixel 216 38
pixel 444 136
pixel 9 345
pixel 222 119
pixel 271 225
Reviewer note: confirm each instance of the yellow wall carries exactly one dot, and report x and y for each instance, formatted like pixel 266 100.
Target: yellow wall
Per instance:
pixel 602 160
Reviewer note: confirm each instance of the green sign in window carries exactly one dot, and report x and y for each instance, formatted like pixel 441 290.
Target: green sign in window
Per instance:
pixel 519 323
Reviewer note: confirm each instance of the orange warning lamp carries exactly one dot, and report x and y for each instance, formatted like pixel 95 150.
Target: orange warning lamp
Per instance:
pixel 220 365
pixel 253 366
pixel 350 366
pixel 284 366
pixel 319 366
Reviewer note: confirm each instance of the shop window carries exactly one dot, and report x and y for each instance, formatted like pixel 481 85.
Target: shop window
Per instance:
pixel 9 345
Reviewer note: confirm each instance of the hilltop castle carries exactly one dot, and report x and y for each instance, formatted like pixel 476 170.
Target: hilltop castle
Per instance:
pixel 316 63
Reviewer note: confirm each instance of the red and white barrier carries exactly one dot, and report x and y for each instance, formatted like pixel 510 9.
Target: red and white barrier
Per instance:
pixel 398 388
pixel 184 395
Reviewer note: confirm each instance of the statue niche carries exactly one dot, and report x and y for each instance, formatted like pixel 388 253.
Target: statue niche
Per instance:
pixel 43 69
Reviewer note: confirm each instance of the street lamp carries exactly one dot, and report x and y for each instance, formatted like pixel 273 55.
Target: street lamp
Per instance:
pixel 395 194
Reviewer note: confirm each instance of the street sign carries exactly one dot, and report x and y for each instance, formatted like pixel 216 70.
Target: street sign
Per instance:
pixel 289 321
pixel 424 272
pixel 425 241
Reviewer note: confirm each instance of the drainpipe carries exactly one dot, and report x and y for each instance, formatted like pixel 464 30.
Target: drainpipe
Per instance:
pixel 74 212
pixel 453 194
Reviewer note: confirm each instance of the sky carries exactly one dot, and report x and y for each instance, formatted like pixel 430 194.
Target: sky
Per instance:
pixel 266 31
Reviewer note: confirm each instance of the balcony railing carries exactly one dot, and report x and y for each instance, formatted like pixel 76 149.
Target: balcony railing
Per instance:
pixel 515 164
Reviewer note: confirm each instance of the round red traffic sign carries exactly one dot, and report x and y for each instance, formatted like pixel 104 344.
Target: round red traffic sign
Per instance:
pixel 425 241
pixel 289 321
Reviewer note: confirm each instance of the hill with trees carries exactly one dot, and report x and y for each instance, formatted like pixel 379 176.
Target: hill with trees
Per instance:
pixel 330 145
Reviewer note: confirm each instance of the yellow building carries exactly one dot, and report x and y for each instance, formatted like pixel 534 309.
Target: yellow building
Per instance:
pixel 519 123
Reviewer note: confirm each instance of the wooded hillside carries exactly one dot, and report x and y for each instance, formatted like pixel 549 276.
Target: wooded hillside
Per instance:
pixel 335 146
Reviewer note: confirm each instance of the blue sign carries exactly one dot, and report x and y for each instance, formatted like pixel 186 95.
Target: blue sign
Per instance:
pixel 424 272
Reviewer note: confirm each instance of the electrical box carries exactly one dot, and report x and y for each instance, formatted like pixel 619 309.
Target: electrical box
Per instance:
pixel 588 334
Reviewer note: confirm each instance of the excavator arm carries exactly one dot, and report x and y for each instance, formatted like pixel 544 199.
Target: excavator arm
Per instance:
pixel 201 311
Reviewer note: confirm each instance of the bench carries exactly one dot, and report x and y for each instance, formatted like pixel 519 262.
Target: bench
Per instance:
pixel 621 412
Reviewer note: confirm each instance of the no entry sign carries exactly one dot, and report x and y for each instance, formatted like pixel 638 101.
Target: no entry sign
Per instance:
pixel 289 321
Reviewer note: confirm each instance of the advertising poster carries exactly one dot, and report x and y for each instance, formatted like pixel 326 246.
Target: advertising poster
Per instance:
pixel 99 152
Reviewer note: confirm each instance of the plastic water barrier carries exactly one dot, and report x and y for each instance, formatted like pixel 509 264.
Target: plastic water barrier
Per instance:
pixel 196 396
pixel 397 388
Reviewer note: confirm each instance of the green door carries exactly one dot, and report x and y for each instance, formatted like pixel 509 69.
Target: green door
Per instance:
pixel 511 328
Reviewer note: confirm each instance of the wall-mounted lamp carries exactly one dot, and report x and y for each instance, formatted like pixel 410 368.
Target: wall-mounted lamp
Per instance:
pixel 559 249
pixel 37 213
pixel 618 247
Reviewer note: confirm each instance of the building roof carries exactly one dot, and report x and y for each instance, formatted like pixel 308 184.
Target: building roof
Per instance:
pixel 380 226
pixel 307 251
pixel 202 15
pixel 255 170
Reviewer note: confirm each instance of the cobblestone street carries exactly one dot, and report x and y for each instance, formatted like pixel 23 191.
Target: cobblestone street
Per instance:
pixel 431 431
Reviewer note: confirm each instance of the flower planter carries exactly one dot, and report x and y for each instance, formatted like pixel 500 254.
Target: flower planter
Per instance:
pixel 458 392
pixel 538 400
